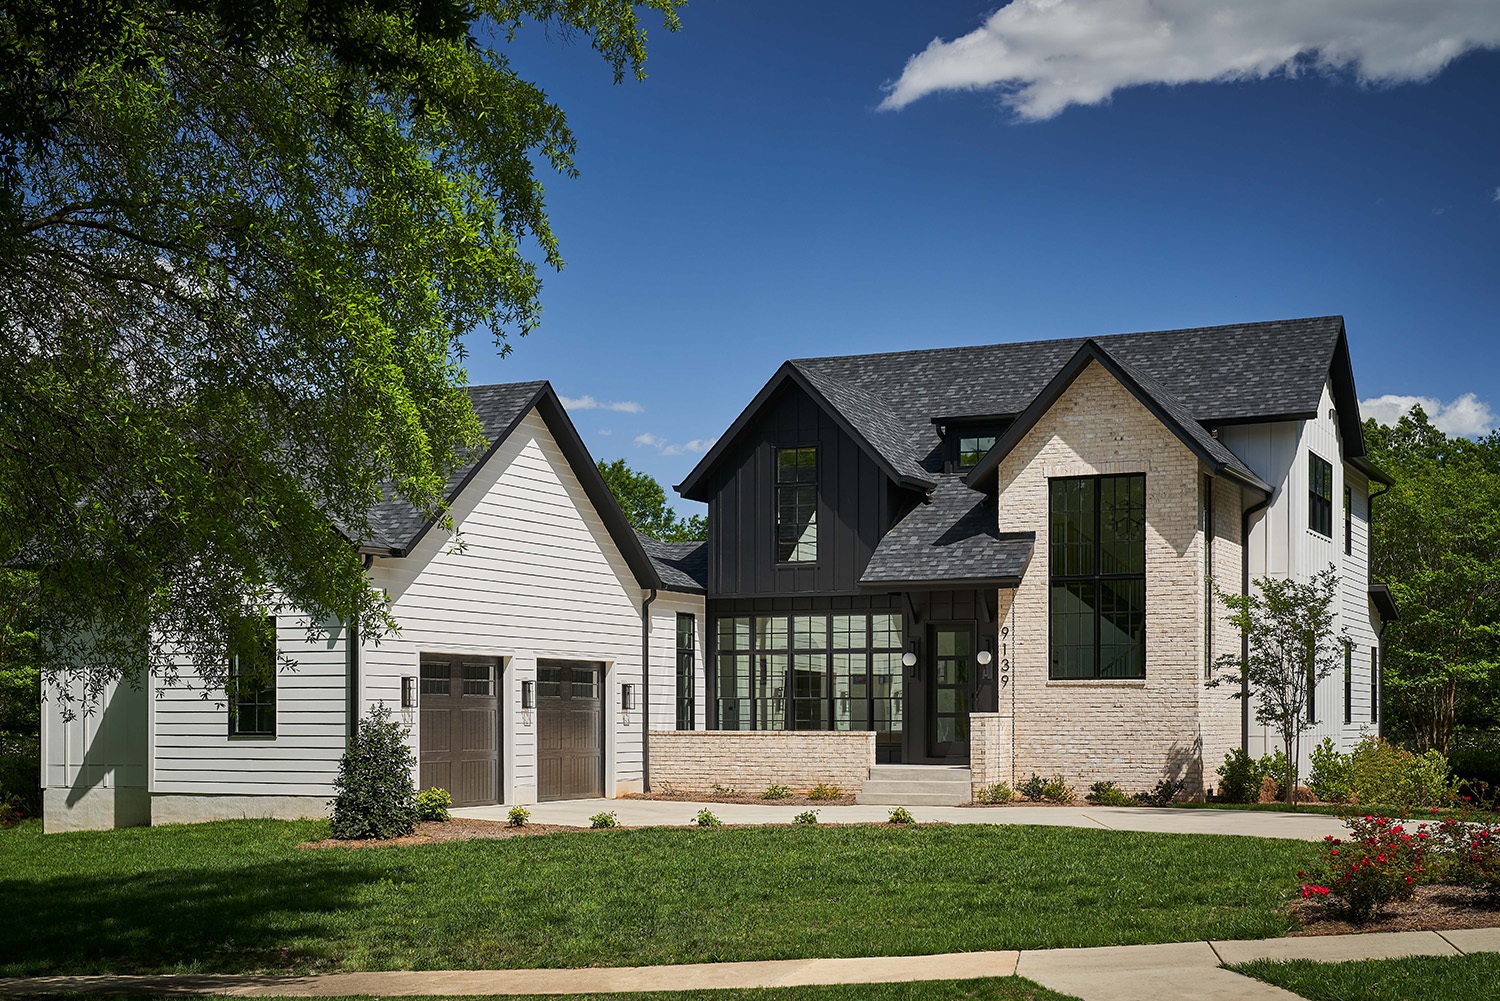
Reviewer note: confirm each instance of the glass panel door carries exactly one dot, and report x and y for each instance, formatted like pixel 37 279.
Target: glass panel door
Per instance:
pixel 951 691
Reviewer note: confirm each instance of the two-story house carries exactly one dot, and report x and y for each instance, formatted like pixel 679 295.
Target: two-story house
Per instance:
pixel 1005 554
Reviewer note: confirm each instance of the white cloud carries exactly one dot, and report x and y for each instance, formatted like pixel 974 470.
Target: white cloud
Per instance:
pixel 1044 55
pixel 694 447
pixel 1468 415
pixel 589 403
pixel 1497 194
pixel 606 432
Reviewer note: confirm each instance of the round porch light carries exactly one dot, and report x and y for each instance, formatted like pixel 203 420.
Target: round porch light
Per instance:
pixel 909 659
pixel 984 658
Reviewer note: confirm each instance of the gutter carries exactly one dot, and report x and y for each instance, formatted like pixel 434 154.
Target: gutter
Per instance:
pixel 646 691
pixel 1245 517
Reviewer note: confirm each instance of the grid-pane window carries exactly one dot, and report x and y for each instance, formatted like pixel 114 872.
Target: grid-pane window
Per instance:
pixel 1374 685
pixel 733 674
pixel 1348 522
pixel 687 705
pixel 479 678
pixel 252 678
pixel 771 660
pixel 971 449
pixel 1311 684
pixel 1319 495
pixel 796 505
pixel 1097 557
pixel 1348 683
pixel 437 677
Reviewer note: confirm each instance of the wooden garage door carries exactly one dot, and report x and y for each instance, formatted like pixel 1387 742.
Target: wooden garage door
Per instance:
pixel 460 744
pixel 570 730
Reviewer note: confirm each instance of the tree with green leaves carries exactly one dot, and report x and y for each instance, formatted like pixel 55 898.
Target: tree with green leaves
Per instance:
pixel 645 504
pixel 243 247
pixel 1292 646
pixel 1436 543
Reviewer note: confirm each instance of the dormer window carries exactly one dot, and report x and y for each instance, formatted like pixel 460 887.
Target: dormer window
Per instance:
pixel 796 505
pixel 971 448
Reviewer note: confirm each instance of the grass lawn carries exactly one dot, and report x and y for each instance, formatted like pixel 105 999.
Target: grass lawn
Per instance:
pixel 991 989
pixel 1451 978
pixel 240 896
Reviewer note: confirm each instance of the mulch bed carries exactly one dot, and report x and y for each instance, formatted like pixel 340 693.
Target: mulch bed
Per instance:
pixel 739 797
pixel 431 832
pixel 1431 908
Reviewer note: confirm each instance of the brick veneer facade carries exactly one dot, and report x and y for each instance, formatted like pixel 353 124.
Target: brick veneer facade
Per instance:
pixel 694 761
pixel 1168 724
pixel 989 751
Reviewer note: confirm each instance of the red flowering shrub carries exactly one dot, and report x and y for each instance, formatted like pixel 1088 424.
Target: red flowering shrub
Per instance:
pixel 1379 863
pixel 1470 854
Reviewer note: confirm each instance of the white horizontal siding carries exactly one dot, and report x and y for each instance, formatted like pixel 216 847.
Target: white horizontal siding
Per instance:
pixel 664 613
pixel 107 748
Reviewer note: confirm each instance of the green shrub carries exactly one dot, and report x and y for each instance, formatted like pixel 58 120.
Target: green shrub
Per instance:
pixel 1273 766
pixel 806 817
pixel 706 818
pixel 610 819
pixel 774 791
pixel 1033 788
pixel 1165 792
pixel 1475 758
pixel 901 815
pixel 1240 778
pixel 824 790
pixel 433 804
pixel 1058 791
pixel 1469 855
pixel 1381 773
pixel 376 798
pixel 1331 779
pixel 1000 792
pixel 21 775
pixel 518 816
pixel 1379 863
pixel 1108 794
pixel 725 790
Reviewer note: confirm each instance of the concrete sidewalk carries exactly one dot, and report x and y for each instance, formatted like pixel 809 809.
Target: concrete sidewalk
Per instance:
pixel 1165 820
pixel 1182 971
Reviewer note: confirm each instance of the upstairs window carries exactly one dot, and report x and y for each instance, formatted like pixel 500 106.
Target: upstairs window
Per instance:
pixel 1348 522
pixel 971 448
pixel 1320 495
pixel 1097 564
pixel 796 505
pixel 252 678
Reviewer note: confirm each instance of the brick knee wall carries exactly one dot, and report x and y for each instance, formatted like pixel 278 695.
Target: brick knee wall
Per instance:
pixel 694 761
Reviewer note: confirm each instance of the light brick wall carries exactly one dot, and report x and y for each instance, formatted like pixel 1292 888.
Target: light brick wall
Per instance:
pixel 989 750
pixel 694 761
pixel 1131 732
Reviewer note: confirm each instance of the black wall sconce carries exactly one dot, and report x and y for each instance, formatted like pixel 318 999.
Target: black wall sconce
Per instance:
pixel 408 692
pixel 526 696
pixel 627 697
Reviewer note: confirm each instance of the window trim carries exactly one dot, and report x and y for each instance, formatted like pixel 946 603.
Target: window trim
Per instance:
pixel 688 701
pixel 1348 520
pixel 1374 684
pixel 777 485
pixel 1319 507
pixel 1348 683
pixel 234 702
pixel 1096 578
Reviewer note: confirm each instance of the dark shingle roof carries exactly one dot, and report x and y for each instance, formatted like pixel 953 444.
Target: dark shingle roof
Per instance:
pixel 682 566
pixel 397 523
pixel 953 536
pixel 1238 372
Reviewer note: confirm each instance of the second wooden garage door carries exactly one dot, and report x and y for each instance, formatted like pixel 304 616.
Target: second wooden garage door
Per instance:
pixel 570 730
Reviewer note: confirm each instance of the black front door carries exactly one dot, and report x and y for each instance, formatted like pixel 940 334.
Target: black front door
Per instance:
pixel 950 690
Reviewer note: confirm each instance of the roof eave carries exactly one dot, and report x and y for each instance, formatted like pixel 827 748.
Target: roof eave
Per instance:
pixel 940 584
pixel 1385 603
pixel 1371 470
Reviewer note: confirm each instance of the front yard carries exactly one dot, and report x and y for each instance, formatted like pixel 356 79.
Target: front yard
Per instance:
pixel 241 896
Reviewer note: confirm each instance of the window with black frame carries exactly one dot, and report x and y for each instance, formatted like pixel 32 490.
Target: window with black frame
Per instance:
pixel 971 448
pixel 251 688
pixel 796 505
pixel 1097 564
pixel 1348 682
pixel 1319 495
pixel 1348 522
pixel 686 691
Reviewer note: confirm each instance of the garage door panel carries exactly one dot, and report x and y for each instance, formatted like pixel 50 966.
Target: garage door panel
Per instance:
pixel 460 740
pixel 570 731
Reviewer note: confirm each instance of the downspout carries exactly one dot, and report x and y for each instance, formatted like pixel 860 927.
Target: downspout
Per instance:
pixel 351 671
pixel 646 691
pixel 1245 517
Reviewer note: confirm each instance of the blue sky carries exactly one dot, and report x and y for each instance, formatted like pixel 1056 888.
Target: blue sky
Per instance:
pixel 752 201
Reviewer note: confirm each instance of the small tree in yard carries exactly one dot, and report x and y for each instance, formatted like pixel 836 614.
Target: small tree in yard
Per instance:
pixel 1292 645
pixel 376 797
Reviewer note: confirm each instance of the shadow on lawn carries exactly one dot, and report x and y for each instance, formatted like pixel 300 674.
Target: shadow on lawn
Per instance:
pixel 236 919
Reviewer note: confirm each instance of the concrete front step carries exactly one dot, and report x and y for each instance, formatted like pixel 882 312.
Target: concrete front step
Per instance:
pixel 916 785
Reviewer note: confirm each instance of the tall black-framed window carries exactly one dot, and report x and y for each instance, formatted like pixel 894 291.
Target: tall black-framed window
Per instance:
pixel 1319 494
pixel 1097 563
pixel 1311 684
pixel 251 689
pixel 1348 682
pixel 687 703
pixel 1348 522
pixel 818 671
pixel 1374 684
pixel 797 505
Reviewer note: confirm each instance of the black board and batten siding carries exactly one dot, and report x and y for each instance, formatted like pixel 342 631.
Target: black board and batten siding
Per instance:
pixel 857 504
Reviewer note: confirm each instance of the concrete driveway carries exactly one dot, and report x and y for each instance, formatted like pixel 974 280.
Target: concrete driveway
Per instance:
pixel 1169 820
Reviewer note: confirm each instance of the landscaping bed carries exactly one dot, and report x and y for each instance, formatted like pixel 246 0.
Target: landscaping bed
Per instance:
pixel 431 832
pixel 734 796
pixel 1431 908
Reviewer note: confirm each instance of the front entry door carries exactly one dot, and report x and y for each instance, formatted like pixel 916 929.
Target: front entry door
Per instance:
pixel 950 691
pixel 570 730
